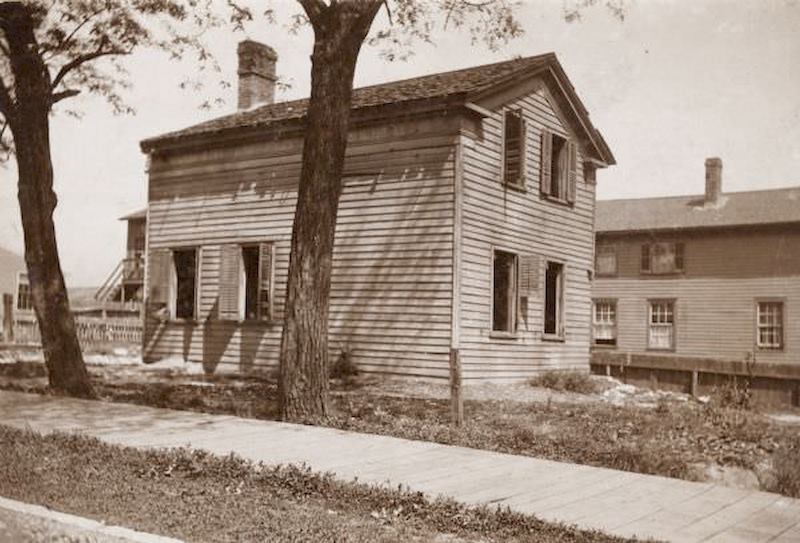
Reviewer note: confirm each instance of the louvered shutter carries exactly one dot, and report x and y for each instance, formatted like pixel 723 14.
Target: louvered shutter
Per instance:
pixel 229 282
pixel 503 150
pixel 572 175
pixel 645 259
pixel 158 276
pixel 545 161
pixel 562 306
pixel 523 138
pixel 266 276
pixel 679 256
pixel 529 275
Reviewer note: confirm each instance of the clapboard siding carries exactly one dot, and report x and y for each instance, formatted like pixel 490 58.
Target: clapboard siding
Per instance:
pixel 714 317
pixel 391 297
pixel 521 221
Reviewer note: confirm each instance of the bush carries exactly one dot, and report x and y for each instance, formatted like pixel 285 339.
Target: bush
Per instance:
pixel 343 368
pixel 735 394
pixel 566 381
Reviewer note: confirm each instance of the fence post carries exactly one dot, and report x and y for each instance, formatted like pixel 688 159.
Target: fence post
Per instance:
pixel 456 401
pixel 8 318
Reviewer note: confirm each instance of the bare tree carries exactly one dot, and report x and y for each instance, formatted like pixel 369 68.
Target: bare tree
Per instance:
pixel 52 50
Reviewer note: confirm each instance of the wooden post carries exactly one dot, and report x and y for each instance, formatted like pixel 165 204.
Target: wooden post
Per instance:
pixel 608 370
pixel 8 318
pixel 695 379
pixel 456 400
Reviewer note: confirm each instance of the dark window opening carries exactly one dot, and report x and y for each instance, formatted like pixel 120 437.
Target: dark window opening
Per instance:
pixel 552 298
pixel 513 148
pixel 185 261
pixel 250 260
pixel 504 295
pixel 559 167
pixel 24 298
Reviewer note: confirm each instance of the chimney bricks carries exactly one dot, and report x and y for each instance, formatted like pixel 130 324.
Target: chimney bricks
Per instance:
pixel 713 180
pixel 256 74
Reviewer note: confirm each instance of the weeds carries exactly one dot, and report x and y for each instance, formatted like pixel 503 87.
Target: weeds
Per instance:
pixel 786 469
pixel 566 381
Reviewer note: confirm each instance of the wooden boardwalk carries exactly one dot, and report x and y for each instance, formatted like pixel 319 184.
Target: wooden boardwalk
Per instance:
pixel 616 502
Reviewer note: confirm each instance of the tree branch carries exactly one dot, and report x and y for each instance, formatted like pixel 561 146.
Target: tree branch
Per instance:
pixel 71 35
pixel 69 93
pixel 82 59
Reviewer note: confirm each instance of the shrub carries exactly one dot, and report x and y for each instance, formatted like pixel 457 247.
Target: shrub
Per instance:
pixel 735 394
pixel 343 367
pixel 568 381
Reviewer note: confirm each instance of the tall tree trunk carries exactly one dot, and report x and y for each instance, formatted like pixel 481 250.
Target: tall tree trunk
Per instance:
pixel 29 123
pixel 339 30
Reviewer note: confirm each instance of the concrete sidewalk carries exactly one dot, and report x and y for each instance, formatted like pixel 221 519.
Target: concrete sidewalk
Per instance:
pixel 616 502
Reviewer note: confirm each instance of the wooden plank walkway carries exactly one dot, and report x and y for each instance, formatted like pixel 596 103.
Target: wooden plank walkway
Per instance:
pixel 616 502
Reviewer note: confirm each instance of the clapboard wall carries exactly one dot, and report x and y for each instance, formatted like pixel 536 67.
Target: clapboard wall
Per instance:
pixel 391 286
pixel 495 215
pixel 725 271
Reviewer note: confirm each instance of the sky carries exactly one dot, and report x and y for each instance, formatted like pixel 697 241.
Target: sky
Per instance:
pixel 673 83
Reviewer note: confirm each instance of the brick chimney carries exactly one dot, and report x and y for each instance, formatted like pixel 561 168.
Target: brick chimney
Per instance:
pixel 713 180
pixel 256 74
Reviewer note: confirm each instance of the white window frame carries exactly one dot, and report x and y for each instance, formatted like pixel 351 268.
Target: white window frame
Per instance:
pixel 668 248
pixel 666 318
pixel 763 323
pixel 22 279
pixel 607 320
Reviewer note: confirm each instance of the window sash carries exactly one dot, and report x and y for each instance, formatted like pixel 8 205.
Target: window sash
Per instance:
pixel 769 325
pixel 604 322
pixel 662 257
pixel 606 260
pixel 661 325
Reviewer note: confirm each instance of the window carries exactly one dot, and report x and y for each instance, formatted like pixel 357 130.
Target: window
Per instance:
pixel 661 329
pixel 504 292
pixel 559 167
pixel 554 299
pixel 769 325
pixel 662 257
pixel 514 149
pixel 605 260
pixel 604 322
pixel 245 288
pixel 24 299
pixel 184 283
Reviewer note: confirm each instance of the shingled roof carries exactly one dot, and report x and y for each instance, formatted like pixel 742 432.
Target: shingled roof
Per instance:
pixel 455 84
pixel 776 206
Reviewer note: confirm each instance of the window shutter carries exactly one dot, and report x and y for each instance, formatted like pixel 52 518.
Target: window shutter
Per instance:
pixel 645 260
pixel 229 279
pixel 546 150
pixel 158 277
pixel 572 176
pixel 679 256
pixel 503 148
pixel 266 276
pixel 529 275
pixel 562 317
pixel 523 133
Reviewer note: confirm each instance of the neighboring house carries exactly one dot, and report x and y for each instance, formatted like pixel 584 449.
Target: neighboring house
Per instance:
pixel 14 282
pixel 715 275
pixel 465 225
pixel 126 282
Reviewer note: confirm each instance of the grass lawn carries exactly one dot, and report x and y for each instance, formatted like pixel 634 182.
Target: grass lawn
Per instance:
pixel 199 497
pixel 681 439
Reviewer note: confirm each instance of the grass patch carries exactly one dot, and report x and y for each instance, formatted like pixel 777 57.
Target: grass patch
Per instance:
pixel 786 469
pixel 200 497
pixel 566 381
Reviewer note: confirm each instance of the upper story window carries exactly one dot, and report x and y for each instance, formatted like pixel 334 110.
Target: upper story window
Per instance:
pixel 769 325
pixel 559 168
pixel 662 257
pixel 605 260
pixel 514 148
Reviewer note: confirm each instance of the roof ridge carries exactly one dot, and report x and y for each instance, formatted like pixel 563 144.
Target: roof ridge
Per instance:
pixel 701 195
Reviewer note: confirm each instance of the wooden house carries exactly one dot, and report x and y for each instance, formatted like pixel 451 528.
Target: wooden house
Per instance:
pixel 14 288
pixel 125 284
pixel 465 225
pixel 714 275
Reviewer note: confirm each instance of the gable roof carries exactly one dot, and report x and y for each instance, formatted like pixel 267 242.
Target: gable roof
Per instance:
pixel 140 214
pixel 760 207
pixel 459 85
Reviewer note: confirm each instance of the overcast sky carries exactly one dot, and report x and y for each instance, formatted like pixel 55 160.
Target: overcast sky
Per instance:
pixel 674 83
